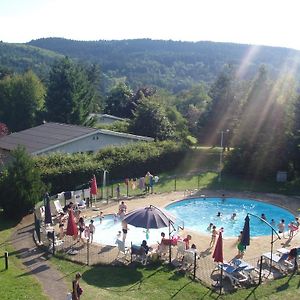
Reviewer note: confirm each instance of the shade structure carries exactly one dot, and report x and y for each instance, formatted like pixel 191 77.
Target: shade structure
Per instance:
pixel 148 217
pixel 245 240
pixel 48 215
pixel 72 229
pixel 37 227
pixel 218 252
pixel 94 186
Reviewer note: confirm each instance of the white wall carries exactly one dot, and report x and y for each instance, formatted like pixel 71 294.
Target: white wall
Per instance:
pixel 92 143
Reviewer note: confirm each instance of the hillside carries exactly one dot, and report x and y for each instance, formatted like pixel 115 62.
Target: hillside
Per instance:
pixel 20 57
pixel 166 64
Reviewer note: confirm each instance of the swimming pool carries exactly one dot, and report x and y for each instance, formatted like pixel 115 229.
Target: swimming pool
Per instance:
pixel 107 231
pixel 199 212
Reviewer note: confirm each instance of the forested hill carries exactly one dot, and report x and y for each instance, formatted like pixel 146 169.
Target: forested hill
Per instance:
pixel 170 64
pixel 20 58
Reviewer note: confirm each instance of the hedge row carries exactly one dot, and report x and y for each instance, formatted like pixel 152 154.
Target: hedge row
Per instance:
pixel 69 171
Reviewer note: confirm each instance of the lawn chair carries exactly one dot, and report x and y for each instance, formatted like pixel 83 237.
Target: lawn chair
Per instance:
pixel 180 249
pixel 138 254
pixel 124 251
pixel 279 262
pixel 249 270
pixel 234 274
pixel 188 259
pixel 58 206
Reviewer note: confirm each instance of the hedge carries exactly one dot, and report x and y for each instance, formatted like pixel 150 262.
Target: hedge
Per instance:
pixel 69 171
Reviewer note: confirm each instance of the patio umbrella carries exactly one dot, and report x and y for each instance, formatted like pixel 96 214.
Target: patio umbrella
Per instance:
pixel 37 227
pixel 94 186
pixel 72 229
pixel 245 240
pixel 48 215
pixel 218 252
pixel 149 217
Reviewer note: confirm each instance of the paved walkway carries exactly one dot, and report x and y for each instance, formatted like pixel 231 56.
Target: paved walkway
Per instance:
pixel 36 262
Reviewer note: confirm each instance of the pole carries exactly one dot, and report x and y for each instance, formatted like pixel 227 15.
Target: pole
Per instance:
pixel 6 259
pixel 198 182
pixel 195 261
pixel 221 280
pixel 112 190
pixel 170 254
pixel 175 184
pixel 88 253
pixel 221 157
pixel 127 187
pixel 53 239
pixel 260 270
pixel 272 242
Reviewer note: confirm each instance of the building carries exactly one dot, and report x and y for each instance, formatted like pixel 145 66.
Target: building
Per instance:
pixel 55 137
pixel 105 119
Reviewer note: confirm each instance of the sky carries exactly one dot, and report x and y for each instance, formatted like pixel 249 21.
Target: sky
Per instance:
pixel 259 22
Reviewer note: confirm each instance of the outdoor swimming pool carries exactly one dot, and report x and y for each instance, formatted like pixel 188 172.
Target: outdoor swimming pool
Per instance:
pixel 106 232
pixel 198 213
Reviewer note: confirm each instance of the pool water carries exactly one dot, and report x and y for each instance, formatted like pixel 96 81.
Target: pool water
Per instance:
pixel 198 213
pixel 107 231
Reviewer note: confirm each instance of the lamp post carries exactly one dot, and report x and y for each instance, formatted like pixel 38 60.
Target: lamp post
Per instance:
pixel 221 154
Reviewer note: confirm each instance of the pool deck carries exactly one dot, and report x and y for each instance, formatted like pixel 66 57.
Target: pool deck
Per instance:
pixel 258 245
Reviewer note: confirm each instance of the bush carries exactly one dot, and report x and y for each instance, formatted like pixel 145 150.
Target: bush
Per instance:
pixel 68 171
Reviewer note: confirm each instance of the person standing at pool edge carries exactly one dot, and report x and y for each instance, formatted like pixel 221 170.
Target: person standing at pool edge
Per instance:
pixel 213 236
pixel 281 227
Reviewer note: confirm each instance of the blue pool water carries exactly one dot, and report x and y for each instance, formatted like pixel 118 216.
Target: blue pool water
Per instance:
pixel 198 213
pixel 107 231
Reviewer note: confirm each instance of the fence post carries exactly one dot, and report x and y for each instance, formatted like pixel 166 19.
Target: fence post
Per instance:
pixel 221 280
pixel 198 182
pixel 260 270
pixel 88 253
pixel 127 185
pixel 6 259
pixel 195 262
pixel 130 252
pixel 175 184
pixel 107 196
pixel 53 239
pixel 112 190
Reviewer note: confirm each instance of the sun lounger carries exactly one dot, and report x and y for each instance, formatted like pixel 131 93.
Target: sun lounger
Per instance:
pixel 124 251
pixel 58 206
pixel 279 262
pixel 234 274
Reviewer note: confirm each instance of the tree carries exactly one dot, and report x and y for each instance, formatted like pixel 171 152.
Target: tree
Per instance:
pixel 119 101
pixel 21 185
pixel 70 95
pixel 21 101
pixel 150 119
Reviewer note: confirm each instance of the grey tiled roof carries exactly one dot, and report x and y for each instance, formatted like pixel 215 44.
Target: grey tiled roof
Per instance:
pixel 44 136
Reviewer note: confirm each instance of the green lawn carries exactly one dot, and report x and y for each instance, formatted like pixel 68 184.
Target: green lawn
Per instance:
pixel 161 282
pixel 13 283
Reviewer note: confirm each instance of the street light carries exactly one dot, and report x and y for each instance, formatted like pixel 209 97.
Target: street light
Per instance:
pixel 221 154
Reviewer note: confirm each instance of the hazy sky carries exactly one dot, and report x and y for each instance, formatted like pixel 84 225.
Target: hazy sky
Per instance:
pixel 263 22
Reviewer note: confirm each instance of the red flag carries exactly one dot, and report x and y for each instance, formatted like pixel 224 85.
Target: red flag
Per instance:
pixel 218 252
pixel 94 186
pixel 72 229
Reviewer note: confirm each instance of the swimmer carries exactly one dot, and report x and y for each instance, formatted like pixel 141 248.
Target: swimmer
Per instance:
pixel 218 214
pixel 101 217
pixel 263 216
pixel 273 222
pixel 210 226
pixel 233 216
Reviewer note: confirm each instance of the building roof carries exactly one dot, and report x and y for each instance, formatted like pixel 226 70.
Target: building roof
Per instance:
pixel 44 136
pixel 51 135
pixel 107 116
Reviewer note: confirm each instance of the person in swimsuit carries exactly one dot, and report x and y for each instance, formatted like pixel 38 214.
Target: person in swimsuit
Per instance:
pixel 76 289
pixel 92 230
pixel 213 236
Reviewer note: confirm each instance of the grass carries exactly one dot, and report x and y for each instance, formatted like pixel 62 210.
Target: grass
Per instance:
pixel 13 283
pixel 163 282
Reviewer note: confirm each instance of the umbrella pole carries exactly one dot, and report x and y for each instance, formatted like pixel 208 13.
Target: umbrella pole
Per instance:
pixel 170 258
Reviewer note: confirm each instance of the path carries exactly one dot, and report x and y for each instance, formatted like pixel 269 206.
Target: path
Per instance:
pixel 35 261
